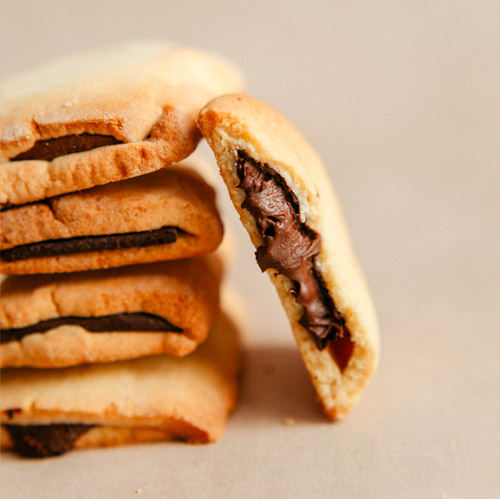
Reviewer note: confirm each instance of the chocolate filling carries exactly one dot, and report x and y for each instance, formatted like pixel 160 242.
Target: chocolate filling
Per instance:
pixel 165 235
pixel 135 321
pixel 290 247
pixel 45 440
pixel 49 149
pixel 10 413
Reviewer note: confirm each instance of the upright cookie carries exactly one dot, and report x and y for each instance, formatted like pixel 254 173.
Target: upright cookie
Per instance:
pixel 285 200
pixel 164 215
pixel 102 117
pixel 105 315
pixel 46 412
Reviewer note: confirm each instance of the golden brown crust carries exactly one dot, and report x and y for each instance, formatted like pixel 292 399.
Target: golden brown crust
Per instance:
pixel 175 197
pixel 160 397
pixel 184 292
pixel 145 95
pixel 239 122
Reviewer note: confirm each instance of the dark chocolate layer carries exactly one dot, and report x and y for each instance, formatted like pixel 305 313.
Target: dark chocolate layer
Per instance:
pixel 10 413
pixel 135 321
pixel 290 247
pixel 165 235
pixel 49 149
pixel 45 440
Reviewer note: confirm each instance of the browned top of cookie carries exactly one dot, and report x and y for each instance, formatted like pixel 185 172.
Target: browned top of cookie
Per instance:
pixel 118 91
pixel 140 101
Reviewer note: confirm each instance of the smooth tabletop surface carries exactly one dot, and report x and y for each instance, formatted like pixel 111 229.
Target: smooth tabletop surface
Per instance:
pixel 401 99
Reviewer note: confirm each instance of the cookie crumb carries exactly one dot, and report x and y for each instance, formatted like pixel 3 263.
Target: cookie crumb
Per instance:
pixel 138 491
pixel 289 421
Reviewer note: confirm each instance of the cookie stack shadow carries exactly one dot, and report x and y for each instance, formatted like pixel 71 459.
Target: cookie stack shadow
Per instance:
pixel 112 329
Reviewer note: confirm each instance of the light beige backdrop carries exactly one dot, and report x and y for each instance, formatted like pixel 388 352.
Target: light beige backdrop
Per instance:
pixel 401 99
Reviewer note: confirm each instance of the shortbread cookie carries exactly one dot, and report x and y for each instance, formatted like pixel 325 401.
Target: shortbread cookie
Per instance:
pixel 104 116
pixel 105 315
pixel 164 215
pixel 285 200
pixel 49 411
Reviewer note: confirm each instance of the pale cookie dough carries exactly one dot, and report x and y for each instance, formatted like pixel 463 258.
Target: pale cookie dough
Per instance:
pixel 185 293
pixel 240 128
pixel 143 95
pixel 172 197
pixel 142 400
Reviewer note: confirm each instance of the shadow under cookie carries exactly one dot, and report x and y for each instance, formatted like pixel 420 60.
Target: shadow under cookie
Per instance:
pixel 275 386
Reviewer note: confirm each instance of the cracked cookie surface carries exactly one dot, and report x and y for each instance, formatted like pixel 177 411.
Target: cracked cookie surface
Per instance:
pixel 174 197
pixel 141 98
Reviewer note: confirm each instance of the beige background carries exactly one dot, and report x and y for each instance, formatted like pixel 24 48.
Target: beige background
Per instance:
pixel 402 101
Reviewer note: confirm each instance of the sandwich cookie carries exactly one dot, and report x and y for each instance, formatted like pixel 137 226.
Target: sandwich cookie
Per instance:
pixel 282 193
pixel 165 215
pixel 106 315
pixel 103 116
pixel 45 412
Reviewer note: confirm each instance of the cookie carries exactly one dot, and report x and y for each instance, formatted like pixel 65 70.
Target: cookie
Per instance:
pixel 49 411
pixel 105 315
pixel 282 193
pixel 164 215
pixel 103 116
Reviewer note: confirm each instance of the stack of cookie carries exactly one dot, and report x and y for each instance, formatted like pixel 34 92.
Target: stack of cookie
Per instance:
pixel 111 232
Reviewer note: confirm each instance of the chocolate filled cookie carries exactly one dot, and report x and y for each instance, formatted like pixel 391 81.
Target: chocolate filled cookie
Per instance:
pixel 282 193
pixel 104 116
pixel 105 315
pixel 46 412
pixel 164 215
